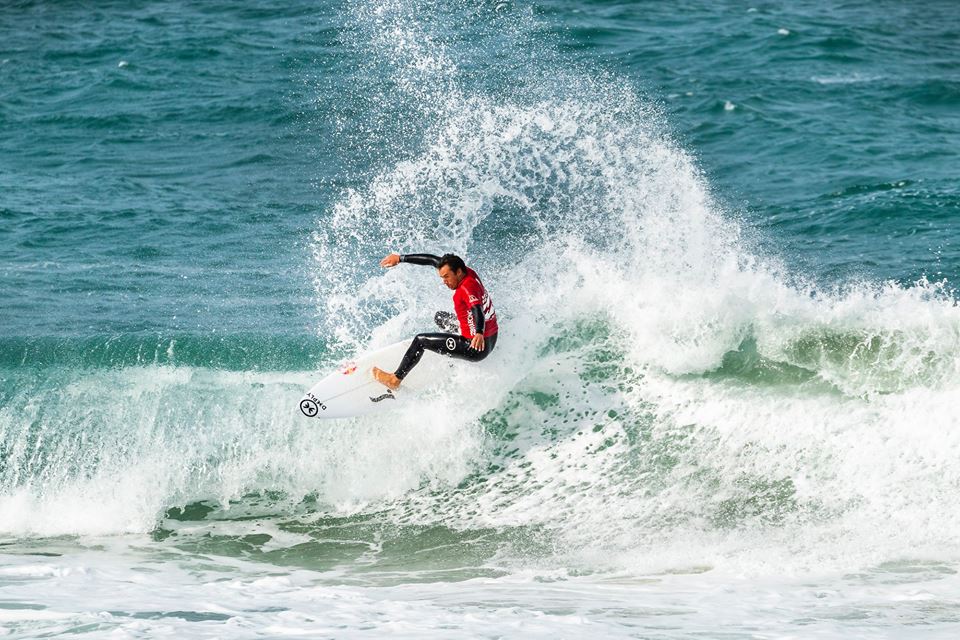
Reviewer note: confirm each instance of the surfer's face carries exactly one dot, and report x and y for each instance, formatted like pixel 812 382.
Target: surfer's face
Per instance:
pixel 450 277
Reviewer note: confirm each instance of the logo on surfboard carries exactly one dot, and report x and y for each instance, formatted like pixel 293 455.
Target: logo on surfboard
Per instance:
pixel 387 396
pixel 309 407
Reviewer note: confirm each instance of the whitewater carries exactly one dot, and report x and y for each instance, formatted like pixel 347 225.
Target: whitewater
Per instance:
pixel 681 434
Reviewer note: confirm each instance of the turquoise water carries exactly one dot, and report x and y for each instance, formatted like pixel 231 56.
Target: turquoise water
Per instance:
pixel 722 242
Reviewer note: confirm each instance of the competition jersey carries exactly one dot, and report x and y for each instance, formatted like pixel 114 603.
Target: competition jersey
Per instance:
pixel 469 294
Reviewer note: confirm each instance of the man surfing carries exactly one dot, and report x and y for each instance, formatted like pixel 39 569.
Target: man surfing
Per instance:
pixel 474 312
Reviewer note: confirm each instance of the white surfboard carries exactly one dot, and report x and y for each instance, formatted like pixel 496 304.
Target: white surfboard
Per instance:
pixel 351 390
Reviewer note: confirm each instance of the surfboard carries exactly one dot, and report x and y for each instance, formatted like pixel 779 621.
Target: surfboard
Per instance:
pixel 352 391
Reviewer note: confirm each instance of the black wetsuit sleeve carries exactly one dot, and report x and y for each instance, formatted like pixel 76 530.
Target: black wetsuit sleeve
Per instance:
pixel 477 312
pixel 421 258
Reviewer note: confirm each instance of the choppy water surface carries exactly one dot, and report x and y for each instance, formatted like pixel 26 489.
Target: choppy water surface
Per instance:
pixel 722 244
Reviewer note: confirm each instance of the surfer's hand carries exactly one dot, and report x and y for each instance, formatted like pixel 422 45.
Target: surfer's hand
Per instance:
pixel 391 260
pixel 477 342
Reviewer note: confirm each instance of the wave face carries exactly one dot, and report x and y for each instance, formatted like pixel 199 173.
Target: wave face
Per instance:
pixel 668 390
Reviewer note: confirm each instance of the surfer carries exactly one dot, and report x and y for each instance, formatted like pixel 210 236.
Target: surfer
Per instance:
pixel 474 312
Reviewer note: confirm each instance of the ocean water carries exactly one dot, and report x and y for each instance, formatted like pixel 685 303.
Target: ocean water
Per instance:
pixel 722 238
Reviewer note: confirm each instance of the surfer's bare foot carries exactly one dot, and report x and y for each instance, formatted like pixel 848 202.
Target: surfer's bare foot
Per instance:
pixel 387 379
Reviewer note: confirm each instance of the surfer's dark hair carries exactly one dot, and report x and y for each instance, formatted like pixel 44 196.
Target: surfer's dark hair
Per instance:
pixel 453 261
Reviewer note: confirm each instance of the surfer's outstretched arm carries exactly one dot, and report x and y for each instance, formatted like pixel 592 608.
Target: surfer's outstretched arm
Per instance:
pixel 428 259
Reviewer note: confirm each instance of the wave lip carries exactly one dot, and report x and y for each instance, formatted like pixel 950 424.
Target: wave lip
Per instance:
pixel 233 352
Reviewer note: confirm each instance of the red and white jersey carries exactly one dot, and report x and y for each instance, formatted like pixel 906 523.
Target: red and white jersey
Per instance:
pixel 469 294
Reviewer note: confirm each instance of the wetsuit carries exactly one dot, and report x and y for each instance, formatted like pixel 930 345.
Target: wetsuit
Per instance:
pixel 474 314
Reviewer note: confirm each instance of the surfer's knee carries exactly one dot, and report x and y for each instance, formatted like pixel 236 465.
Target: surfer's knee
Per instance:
pixel 490 343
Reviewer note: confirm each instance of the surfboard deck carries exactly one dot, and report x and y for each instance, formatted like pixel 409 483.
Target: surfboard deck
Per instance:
pixel 351 390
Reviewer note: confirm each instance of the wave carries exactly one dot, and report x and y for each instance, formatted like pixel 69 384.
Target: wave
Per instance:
pixel 609 461
pixel 110 451
pixel 725 393
pixel 662 395
pixel 232 352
